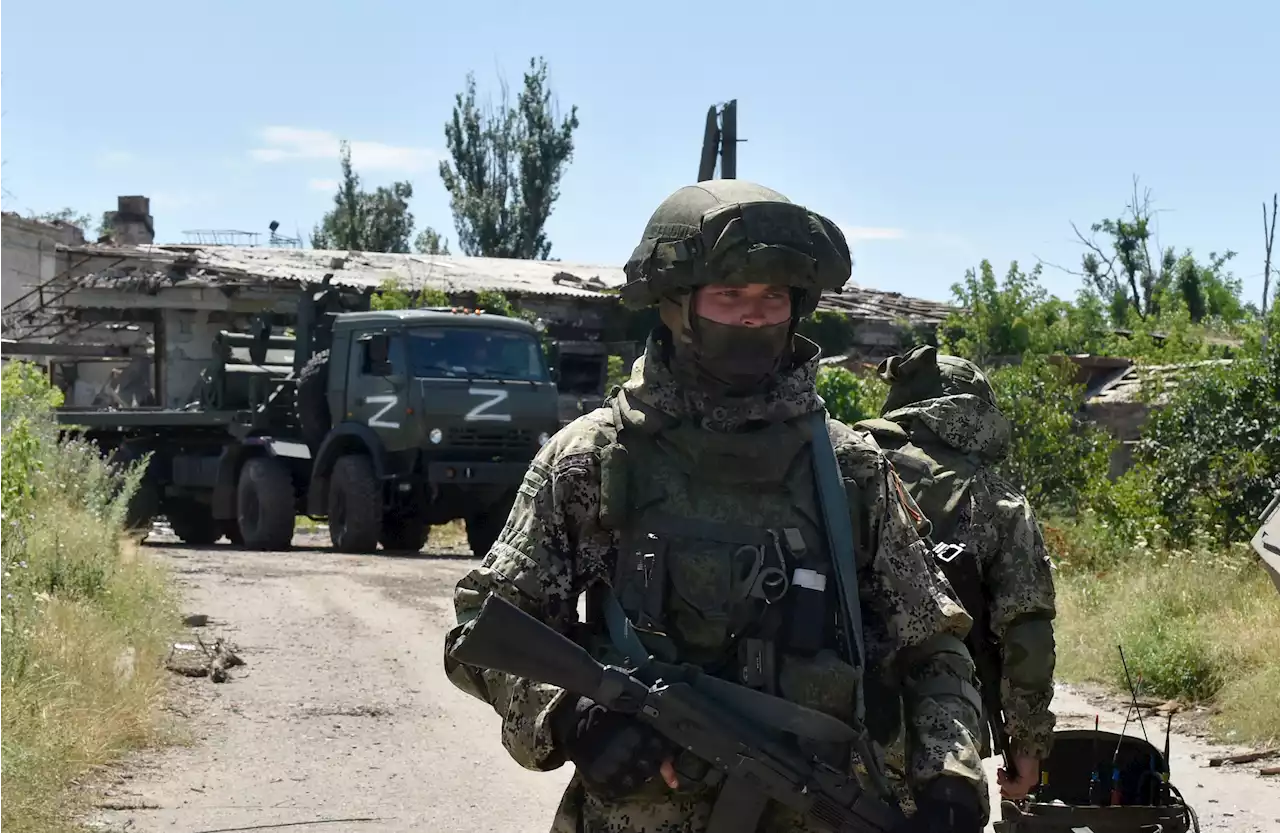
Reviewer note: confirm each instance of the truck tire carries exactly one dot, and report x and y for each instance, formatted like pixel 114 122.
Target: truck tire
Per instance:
pixel 404 533
pixel 355 505
pixel 265 504
pixel 144 503
pixel 313 399
pixel 484 527
pixel 192 521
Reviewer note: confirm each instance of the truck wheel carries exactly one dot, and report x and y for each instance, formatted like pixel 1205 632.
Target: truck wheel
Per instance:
pixel 192 521
pixel 404 533
pixel 144 503
pixel 265 504
pixel 484 528
pixel 355 505
pixel 313 400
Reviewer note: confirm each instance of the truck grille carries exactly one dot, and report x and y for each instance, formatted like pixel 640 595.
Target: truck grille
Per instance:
pixel 496 441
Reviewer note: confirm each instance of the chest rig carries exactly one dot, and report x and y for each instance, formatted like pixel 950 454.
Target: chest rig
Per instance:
pixel 724 560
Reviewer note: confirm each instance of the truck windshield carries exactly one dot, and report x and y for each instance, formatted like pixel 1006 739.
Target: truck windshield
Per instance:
pixel 466 352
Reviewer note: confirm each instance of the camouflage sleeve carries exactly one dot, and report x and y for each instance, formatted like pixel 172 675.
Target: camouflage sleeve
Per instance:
pixel 541 562
pixel 914 624
pixel 1022 613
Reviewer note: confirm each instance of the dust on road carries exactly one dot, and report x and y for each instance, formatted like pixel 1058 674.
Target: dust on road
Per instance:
pixel 343 712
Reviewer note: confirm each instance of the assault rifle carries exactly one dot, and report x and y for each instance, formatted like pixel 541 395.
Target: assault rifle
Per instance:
pixel 727 748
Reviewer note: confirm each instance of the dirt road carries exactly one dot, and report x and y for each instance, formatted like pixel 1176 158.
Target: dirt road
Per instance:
pixel 342 712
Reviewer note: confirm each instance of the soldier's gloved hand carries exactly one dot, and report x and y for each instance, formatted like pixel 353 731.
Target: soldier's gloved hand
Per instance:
pixel 948 805
pixel 615 754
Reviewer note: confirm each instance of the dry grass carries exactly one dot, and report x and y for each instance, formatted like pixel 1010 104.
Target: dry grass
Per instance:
pixel 452 535
pixel 86 621
pixel 1195 627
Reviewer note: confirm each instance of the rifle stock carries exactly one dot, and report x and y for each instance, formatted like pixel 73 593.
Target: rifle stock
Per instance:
pixel 740 756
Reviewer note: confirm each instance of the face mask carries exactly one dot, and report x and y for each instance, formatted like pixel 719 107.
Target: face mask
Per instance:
pixel 738 359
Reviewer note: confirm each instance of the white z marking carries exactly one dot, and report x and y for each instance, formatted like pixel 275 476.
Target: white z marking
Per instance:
pixel 480 413
pixel 387 401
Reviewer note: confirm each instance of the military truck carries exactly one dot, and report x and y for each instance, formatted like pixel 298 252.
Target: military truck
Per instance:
pixel 383 423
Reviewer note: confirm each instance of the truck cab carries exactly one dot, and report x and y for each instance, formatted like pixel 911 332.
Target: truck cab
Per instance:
pixel 443 409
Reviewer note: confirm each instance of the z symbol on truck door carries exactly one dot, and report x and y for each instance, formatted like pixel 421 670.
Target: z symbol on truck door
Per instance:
pixel 484 412
pixel 387 401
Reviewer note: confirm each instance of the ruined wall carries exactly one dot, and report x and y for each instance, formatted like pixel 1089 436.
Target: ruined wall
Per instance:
pixel 187 344
pixel 28 257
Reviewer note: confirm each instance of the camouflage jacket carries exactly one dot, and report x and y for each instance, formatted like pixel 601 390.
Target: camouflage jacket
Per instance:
pixel 998 525
pixel 554 545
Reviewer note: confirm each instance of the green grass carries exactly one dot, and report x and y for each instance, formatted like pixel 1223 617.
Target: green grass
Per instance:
pixel 86 618
pixel 1197 626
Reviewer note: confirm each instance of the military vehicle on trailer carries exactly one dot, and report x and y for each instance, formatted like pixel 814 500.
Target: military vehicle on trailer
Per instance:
pixel 383 423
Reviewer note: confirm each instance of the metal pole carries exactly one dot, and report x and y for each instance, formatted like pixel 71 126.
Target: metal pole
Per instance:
pixel 710 145
pixel 729 141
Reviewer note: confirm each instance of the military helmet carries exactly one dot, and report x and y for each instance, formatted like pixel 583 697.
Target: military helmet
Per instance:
pixel 922 374
pixel 734 231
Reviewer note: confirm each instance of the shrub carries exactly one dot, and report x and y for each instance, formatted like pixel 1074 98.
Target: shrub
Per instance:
pixel 1059 460
pixel 850 397
pixel 85 619
pixel 1213 452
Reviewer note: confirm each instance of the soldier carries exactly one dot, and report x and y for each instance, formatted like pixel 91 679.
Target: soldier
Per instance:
pixel 942 430
pixel 688 505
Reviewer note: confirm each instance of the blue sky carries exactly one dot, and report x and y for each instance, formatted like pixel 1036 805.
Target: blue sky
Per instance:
pixel 937 133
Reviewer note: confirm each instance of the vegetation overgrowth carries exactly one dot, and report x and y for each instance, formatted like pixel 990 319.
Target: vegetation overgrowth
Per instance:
pixel 86 617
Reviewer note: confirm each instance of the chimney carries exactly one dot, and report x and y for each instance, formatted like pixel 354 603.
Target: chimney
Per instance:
pixel 131 222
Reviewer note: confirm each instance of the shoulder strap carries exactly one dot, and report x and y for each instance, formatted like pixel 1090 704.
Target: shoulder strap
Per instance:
pixel 843 545
pixel 835 515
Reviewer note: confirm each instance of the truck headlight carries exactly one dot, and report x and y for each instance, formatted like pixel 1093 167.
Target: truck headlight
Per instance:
pixel 543 438
pixel 436 436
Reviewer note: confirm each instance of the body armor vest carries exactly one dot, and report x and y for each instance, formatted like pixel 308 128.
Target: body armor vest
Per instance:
pixel 723 559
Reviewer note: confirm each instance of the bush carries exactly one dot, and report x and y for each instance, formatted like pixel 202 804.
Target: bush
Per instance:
pixel 392 294
pixel 1055 457
pixel 1213 452
pixel 849 397
pixel 85 619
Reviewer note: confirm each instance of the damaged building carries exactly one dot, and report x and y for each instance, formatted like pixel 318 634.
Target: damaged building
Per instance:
pixel 99 313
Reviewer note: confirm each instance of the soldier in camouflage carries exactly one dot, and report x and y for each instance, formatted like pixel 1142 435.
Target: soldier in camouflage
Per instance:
pixel 943 432
pixel 687 503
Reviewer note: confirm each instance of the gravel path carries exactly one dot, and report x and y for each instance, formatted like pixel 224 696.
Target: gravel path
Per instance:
pixel 342 712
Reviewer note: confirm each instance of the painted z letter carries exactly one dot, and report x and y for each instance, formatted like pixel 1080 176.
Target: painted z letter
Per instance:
pixel 387 401
pixel 481 412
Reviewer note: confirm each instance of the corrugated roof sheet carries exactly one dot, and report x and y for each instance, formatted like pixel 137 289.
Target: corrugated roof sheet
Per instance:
pixel 1127 386
pixel 221 264
pixel 358 269
pixel 861 302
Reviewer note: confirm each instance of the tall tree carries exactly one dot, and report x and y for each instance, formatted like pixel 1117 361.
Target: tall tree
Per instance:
pixel 507 162
pixel 429 242
pixel 377 221
pixel 1129 270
